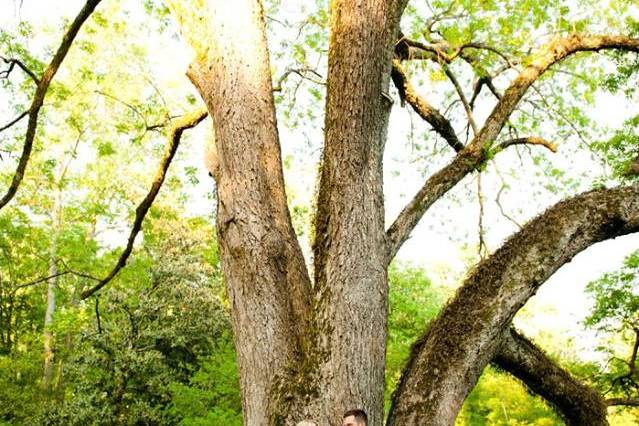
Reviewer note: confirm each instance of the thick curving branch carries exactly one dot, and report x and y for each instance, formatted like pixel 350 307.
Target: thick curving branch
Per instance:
pixel 186 122
pixel 434 188
pixel 40 92
pixel 448 359
pixel 578 403
pixel 552 53
pixel 474 153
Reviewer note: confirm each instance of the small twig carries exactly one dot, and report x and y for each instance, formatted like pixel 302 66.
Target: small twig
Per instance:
pixel 97 313
pixel 482 248
pixel 481 82
pixel 41 280
pixel 133 108
pixel 561 115
pixel 483 46
pixel 300 72
pixel 58 274
pixel 77 273
pixel 15 120
pixel 12 62
pixel 498 197
pixel 462 98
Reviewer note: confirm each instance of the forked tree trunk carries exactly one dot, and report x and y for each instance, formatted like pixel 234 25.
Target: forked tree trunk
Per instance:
pixel 301 355
pixel 311 351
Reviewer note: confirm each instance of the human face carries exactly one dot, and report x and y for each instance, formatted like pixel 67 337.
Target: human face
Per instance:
pixel 350 421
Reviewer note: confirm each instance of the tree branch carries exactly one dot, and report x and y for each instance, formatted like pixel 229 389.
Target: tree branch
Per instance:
pixel 12 62
pixel 632 364
pixel 530 140
pixel 177 128
pixel 465 336
pixel 437 185
pixel 302 73
pixel 462 98
pixel 14 121
pixel 58 274
pixel 578 403
pixel 426 111
pixel 552 53
pixel 631 402
pixel 97 314
pixel 40 92
pixel 481 82
pixel 474 153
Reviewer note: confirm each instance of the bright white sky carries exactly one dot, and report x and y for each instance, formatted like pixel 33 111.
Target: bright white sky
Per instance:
pixel 434 244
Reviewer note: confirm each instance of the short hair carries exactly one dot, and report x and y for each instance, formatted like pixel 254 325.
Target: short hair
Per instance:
pixel 360 415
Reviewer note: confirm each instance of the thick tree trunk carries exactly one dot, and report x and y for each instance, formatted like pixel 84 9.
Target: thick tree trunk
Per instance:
pixel 449 358
pixel 267 282
pixel 577 403
pixel 350 244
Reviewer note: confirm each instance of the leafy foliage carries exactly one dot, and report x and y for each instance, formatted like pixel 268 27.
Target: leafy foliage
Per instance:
pixel 616 296
pixel 500 400
pixel 615 314
pixel 413 302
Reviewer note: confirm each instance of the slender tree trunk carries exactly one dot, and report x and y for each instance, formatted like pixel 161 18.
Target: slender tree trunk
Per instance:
pixel 51 296
pixel 68 346
pixel 4 325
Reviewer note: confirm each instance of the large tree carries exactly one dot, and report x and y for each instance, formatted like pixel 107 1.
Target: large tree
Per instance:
pixel 311 343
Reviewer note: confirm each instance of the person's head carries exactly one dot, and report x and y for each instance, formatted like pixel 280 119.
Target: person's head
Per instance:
pixel 355 418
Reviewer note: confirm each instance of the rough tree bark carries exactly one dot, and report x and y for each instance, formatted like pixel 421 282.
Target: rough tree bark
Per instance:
pixel 350 245
pixel 268 285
